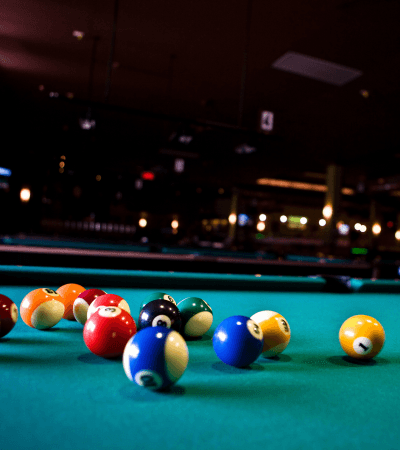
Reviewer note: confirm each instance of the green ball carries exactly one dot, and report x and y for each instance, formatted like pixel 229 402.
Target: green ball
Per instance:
pixel 196 315
pixel 157 296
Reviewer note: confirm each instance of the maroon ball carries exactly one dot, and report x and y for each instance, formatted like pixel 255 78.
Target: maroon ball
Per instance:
pixel 8 315
pixel 82 303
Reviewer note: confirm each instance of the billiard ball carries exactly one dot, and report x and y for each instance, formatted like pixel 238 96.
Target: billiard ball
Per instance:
pixel 361 337
pixel 108 300
pixel 108 330
pixel 155 358
pixel 157 296
pixel 8 315
pixel 160 313
pixel 69 292
pixel 82 302
pixel 196 315
pixel 42 308
pixel 275 330
pixel 238 341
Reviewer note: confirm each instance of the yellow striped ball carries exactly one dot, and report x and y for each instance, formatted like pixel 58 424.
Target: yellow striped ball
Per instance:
pixel 276 332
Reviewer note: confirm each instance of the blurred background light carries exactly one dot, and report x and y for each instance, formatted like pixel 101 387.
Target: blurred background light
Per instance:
pixel 232 219
pixel 327 212
pixel 78 34
pixel 344 229
pixel 243 219
pixel 260 226
pixel 25 195
pixel 148 176
pixel 179 165
pixel 376 228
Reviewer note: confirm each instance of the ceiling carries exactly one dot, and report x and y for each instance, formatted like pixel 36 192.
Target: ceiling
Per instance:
pixel 207 66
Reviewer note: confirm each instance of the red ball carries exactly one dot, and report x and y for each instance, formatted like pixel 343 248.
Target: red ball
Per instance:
pixel 108 300
pixel 82 303
pixel 8 315
pixel 108 330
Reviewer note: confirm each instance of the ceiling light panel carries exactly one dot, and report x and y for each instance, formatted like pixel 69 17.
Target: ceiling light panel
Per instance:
pixel 315 68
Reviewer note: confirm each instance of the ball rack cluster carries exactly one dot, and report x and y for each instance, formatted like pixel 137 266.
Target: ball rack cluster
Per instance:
pixel 154 350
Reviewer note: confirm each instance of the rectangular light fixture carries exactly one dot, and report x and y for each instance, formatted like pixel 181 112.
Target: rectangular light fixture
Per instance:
pixel 296 222
pixel 299 185
pixel 5 172
pixel 179 165
pixel 316 68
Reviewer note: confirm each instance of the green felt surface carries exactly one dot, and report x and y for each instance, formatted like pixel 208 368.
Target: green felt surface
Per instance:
pixel 55 393
pixel 141 278
pixel 11 274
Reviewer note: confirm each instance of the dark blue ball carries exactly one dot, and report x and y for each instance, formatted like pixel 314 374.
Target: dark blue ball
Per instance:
pixel 238 341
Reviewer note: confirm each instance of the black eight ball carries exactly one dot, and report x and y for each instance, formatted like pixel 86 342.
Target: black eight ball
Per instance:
pixel 160 313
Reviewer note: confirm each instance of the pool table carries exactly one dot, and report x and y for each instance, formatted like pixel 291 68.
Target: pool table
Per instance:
pixel 46 251
pixel 56 394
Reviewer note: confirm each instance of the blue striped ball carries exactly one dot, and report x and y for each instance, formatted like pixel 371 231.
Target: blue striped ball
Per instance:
pixel 155 358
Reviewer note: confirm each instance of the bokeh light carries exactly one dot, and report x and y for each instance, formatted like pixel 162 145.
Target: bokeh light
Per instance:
pixel 232 218
pixel 376 228
pixel 25 195
pixel 344 229
pixel 243 219
pixel 327 211
pixel 261 226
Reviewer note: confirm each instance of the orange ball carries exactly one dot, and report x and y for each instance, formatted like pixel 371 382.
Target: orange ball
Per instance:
pixel 42 308
pixel 361 337
pixel 69 293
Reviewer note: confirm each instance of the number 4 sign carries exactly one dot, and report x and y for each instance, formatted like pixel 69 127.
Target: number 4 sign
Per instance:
pixel 267 121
